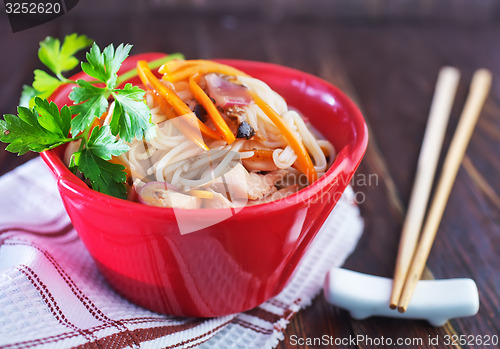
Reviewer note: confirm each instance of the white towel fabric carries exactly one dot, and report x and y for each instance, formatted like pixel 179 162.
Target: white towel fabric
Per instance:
pixel 52 295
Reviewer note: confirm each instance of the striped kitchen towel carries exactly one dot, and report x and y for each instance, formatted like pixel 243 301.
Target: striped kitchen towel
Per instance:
pixel 52 295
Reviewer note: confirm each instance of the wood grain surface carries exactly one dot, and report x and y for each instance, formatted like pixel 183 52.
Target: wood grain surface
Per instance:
pixel 389 67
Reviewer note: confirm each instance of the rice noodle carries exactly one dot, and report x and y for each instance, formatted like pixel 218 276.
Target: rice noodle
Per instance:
pixel 172 157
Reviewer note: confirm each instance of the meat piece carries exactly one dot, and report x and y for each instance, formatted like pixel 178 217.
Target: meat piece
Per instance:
pixel 159 194
pixel 178 200
pixel 232 183
pixel 276 195
pixel 235 112
pixel 239 184
pixel 226 93
pixel 260 185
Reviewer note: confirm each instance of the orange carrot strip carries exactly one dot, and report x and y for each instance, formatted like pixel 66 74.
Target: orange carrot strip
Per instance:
pixel 176 64
pixel 119 161
pixel 179 121
pixel 148 78
pixel 170 114
pixel 166 109
pixel 203 68
pixel 213 113
pixel 303 159
pixel 97 122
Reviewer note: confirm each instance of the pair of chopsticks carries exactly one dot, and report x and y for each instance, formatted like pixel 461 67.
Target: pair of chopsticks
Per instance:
pixel 414 247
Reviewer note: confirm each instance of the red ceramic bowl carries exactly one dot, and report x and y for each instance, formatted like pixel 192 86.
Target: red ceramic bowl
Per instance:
pixel 239 262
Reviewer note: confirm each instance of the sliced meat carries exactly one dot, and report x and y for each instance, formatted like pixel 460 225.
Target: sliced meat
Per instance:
pixel 238 184
pixel 260 185
pixel 276 195
pixel 158 194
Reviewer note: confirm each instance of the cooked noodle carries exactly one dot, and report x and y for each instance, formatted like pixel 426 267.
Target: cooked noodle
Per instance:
pixel 174 158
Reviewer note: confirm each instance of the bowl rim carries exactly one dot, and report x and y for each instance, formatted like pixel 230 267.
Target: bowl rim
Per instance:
pixel 347 160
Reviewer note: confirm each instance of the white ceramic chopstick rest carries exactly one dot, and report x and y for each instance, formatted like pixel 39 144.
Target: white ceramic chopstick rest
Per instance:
pixel 436 301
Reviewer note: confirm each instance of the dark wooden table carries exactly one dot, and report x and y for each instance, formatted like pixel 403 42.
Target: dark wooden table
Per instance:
pixel 389 67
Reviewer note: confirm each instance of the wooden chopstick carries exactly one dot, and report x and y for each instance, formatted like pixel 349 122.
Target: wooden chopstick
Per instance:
pixel 480 86
pixel 442 102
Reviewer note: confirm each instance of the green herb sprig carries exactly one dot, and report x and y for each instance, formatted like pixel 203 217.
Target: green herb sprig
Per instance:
pixel 59 59
pixel 39 124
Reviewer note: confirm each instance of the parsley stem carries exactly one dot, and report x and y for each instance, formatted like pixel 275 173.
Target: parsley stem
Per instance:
pixel 152 65
pixel 63 79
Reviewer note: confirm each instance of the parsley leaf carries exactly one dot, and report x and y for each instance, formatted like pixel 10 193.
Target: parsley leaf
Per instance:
pixel 104 66
pixel 28 96
pixel 104 176
pixel 28 131
pixel 40 125
pixel 92 103
pixel 105 145
pixel 58 59
pixel 51 119
pixel 45 84
pixel 61 58
pixel 131 116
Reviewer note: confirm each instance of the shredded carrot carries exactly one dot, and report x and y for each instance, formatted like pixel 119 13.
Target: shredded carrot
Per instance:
pixel 179 121
pixel 304 162
pixel 100 120
pixel 213 113
pixel 204 67
pixel 118 160
pixel 190 120
pixel 176 64
pixel 97 122
pixel 169 112
pixel 174 101
pixel 166 109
